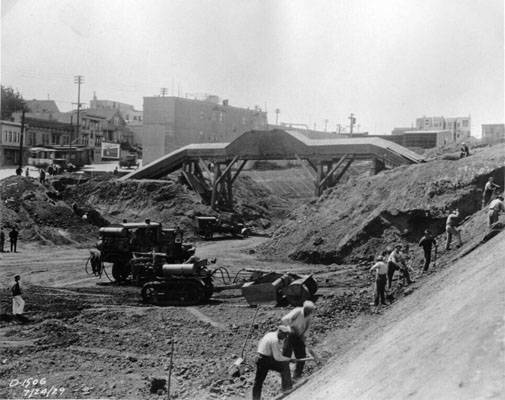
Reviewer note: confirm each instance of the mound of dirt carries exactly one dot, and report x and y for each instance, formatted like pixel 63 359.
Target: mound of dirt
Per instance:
pixel 356 220
pixel 171 202
pixel 40 214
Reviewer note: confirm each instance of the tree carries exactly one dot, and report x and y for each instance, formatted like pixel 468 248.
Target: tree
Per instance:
pixel 12 101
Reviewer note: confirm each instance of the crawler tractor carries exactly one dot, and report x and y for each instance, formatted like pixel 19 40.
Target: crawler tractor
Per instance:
pixel 136 249
pixel 180 284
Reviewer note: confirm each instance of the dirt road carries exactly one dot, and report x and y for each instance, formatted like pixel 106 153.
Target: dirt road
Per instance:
pixel 99 340
pixel 445 341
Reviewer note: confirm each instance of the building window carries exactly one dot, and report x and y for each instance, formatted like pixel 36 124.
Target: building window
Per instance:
pixel 10 136
pixel 221 116
pixel 54 138
pixel 465 123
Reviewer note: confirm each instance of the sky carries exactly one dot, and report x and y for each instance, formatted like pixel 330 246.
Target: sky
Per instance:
pixel 386 61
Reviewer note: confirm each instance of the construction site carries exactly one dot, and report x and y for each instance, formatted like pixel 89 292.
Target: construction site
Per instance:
pixel 152 284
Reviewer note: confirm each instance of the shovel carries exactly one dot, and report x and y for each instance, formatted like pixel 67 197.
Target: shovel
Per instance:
pixel 235 368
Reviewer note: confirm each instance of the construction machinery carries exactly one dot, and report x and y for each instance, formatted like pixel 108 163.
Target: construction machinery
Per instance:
pixel 282 289
pixel 128 161
pixel 137 249
pixel 180 284
pixel 208 226
pixel 193 283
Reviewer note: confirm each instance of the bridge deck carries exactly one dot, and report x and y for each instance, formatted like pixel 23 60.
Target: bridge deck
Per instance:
pixel 279 145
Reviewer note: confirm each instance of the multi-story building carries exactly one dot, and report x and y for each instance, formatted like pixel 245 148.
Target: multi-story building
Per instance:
pixel 173 122
pixel 493 133
pixel 43 132
pixel 128 112
pixel 426 139
pixel 10 136
pixel 459 126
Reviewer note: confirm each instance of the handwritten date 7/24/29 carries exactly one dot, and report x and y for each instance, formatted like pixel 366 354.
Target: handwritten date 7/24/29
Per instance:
pixel 36 388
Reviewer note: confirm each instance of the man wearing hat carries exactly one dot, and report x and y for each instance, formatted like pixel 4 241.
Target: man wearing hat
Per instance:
pixel 271 358
pixel 381 269
pixel 299 320
pixel 426 242
pixel 495 207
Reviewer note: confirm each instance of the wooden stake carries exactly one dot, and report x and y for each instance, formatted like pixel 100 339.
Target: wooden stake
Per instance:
pixel 170 369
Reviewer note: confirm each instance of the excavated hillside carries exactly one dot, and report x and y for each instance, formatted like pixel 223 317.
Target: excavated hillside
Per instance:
pixel 171 202
pixel 355 220
pixel 47 213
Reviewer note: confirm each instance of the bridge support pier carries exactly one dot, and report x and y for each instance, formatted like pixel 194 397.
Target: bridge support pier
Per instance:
pixel 330 172
pixel 222 183
pixel 377 166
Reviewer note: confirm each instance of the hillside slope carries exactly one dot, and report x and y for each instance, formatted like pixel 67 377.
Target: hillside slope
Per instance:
pixel 445 341
pixel 358 219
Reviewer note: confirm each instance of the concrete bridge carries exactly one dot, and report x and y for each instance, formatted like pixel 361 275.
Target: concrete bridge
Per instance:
pixel 326 160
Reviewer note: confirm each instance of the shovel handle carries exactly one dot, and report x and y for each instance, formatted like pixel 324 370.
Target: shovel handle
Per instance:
pixel 249 333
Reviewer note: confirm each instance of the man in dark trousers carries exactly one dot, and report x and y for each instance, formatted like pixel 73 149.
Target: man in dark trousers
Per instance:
pixel 2 240
pixel 452 230
pixel 42 176
pixel 13 236
pixel 299 320
pixel 426 242
pixel 396 262
pixel 489 189
pixel 270 358
pixel 381 269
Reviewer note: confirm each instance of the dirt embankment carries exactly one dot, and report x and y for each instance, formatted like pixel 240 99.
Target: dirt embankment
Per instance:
pixel 41 214
pixel 172 203
pixel 356 220
pixel 46 214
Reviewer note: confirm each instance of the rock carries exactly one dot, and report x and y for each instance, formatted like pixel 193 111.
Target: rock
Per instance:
pixel 408 291
pixel 158 384
pixel 132 358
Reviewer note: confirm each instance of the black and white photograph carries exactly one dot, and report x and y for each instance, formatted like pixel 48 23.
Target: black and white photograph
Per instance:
pixel 252 199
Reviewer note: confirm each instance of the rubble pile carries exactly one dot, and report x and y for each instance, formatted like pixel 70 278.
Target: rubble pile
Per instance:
pixel 40 213
pixel 171 202
pixel 356 220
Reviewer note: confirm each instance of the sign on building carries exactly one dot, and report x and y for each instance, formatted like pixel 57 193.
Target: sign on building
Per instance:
pixel 110 150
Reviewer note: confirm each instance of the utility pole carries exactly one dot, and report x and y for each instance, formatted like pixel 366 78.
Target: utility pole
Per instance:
pixel 352 119
pixel 277 112
pixel 326 125
pixel 78 79
pixel 21 137
pixel 163 91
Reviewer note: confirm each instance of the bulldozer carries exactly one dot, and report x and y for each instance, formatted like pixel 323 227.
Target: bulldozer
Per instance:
pixel 137 249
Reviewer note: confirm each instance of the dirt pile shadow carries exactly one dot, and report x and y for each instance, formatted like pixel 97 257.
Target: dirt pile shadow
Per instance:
pixel 358 219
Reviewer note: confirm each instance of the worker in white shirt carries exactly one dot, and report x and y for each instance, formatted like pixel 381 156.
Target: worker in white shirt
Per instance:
pixel 489 189
pixel 396 262
pixel 271 358
pixel 381 269
pixel 495 207
pixel 299 320
pixel 451 230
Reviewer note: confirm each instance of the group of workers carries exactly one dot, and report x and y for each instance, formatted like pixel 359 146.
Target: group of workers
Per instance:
pixel 396 260
pixel 13 238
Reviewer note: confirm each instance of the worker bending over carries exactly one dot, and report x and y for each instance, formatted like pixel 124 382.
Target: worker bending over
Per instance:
pixel 396 262
pixel 426 242
pixel 299 320
pixel 495 207
pixel 270 358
